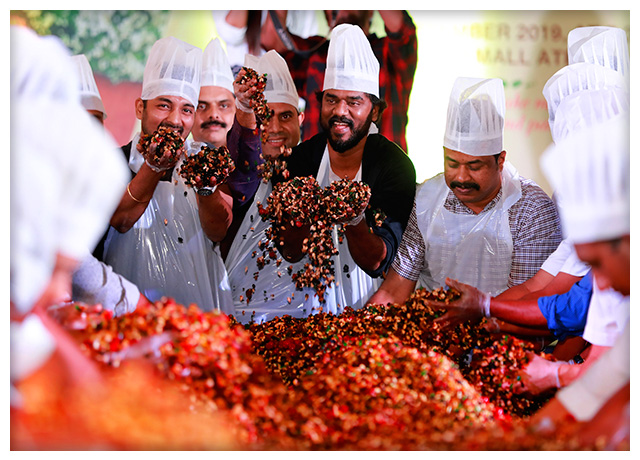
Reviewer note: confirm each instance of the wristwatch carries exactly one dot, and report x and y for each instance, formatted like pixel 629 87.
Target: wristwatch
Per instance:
pixel 205 191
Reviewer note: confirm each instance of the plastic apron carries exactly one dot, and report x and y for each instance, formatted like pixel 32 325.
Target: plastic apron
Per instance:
pixel 274 293
pixel 166 252
pixel 476 249
pixel 352 286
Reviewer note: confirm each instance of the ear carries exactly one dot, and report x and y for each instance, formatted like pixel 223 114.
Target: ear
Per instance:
pixel 501 159
pixel 139 108
pixel 375 113
pixel 300 118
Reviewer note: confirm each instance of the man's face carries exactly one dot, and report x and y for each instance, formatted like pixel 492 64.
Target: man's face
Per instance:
pixel 610 262
pixel 173 112
pixel 360 18
pixel 283 129
pixel 346 117
pixel 214 115
pixel 474 180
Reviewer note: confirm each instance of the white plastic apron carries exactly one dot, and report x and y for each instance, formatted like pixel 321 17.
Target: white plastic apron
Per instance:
pixel 476 249
pixel 352 286
pixel 274 288
pixel 166 252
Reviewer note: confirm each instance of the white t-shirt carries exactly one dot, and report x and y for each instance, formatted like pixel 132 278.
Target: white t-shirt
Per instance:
pixel 564 259
pixel 608 314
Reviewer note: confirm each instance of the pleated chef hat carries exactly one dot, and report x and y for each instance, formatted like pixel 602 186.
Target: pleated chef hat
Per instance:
pixel 89 93
pixel 578 77
pixel 351 64
pixel 605 46
pixel 216 70
pixel 589 171
pixel 280 86
pixel 475 117
pixel 584 109
pixel 173 69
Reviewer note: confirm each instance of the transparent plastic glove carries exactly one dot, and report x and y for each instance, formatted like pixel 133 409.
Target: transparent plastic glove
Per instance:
pixel 356 220
pixel 473 304
pixel 243 93
pixel 539 376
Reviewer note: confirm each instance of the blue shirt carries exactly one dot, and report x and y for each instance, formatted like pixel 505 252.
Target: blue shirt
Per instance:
pixel 566 313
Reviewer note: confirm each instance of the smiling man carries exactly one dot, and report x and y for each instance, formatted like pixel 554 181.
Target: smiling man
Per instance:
pixel 159 236
pixel 479 221
pixel 349 147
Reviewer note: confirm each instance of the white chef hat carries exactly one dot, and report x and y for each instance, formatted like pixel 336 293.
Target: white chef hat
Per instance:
pixel 605 46
pixel 589 171
pixel 59 203
pixel 172 69
pixel 584 109
pixel 578 77
pixel 280 86
pixel 89 93
pixel 37 70
pixel 351 64
pixel 216 70
pixel 475 117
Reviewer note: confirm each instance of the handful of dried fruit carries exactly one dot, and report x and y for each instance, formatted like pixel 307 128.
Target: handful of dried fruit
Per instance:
pixel 207 168
pixel 168 144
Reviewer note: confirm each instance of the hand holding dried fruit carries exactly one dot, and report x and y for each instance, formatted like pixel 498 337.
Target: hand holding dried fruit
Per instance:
pixel 346 200
pixel 473 304
pixel 207 167
pixel 162 149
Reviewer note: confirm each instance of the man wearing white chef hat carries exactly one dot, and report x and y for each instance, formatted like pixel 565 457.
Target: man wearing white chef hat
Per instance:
pixel 89 93
pixel 59 204
pixel 590 173
pixel 216 102
pixel 349 147
pixel 282 131
pixel 158 239
pixel 479 222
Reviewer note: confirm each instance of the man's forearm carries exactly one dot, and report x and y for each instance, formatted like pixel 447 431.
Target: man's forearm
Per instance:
pixel 135 199
pixel 367 249
pixel 519 312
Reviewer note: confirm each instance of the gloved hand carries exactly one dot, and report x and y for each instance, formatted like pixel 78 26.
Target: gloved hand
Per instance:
pixel 244 92
pixel 167 161
pixel 540 375
pixel 473 304
pixel 356 220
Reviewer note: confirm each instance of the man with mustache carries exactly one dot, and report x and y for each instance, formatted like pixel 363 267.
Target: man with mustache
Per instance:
pixel 158 237
pixel 349 147
pixel 480 222
pixel 216 102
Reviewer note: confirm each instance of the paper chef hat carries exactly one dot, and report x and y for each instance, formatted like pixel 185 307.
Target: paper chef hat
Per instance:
pixel 584 109
pixel 280 86
pixel 173 69
pixel 89 93
pixel 216 70
pixel 578 77
pixel 475 117
pixel 589 171
pixel 605 46
pixel 351 64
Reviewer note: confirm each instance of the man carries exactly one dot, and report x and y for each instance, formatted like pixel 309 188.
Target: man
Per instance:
pixel 283 131
pixel 89 93
pixel 347 148
pixel 216 102
pixel 159 238
pixel 397 54
pixel 590 172
pixel 56 223
pixel 479 222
